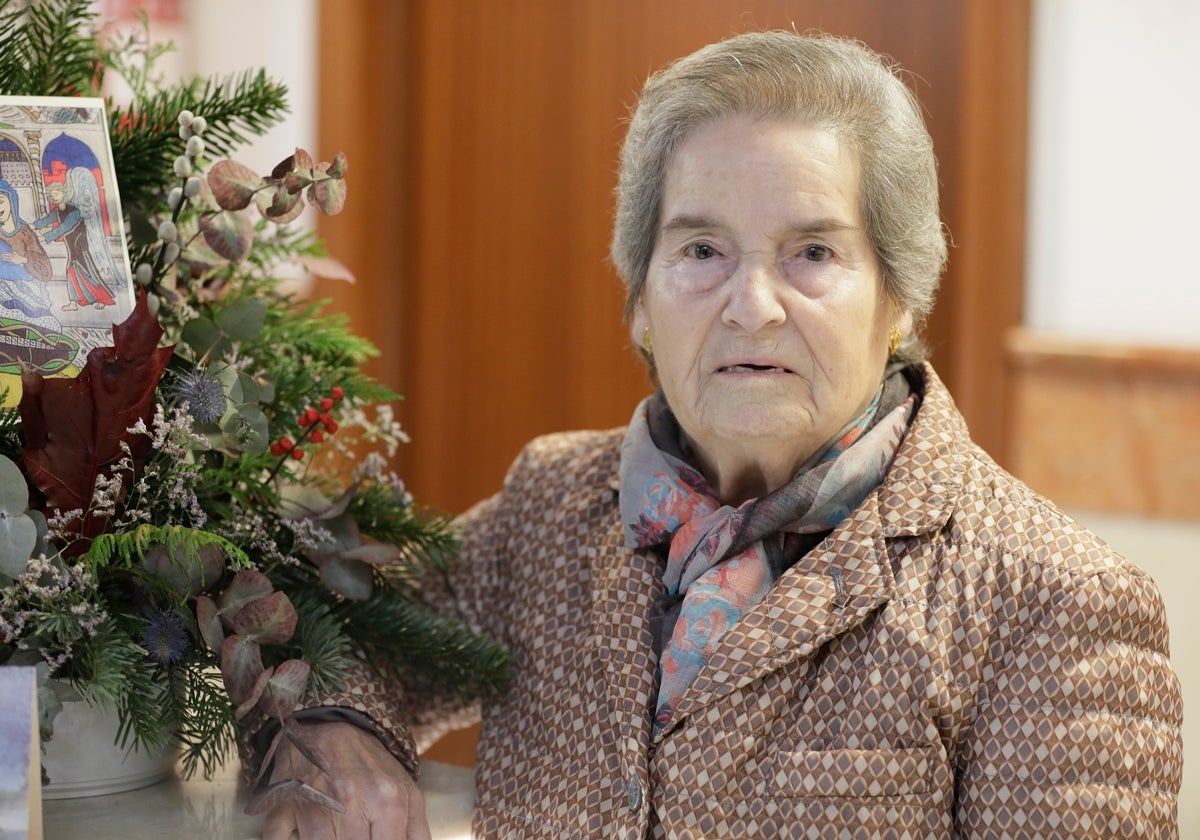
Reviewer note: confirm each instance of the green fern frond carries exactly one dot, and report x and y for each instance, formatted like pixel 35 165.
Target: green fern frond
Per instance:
pixel 129 546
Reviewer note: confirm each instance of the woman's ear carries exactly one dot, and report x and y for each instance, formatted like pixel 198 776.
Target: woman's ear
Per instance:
pixel 638 325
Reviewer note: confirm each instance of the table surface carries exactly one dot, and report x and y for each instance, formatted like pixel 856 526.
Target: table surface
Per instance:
pixel 200 809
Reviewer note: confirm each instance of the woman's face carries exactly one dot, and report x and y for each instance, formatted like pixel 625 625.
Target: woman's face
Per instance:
pixel 6 210
pixel 763 298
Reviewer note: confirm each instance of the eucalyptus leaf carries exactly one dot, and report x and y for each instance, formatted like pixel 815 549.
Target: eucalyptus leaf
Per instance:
pixel 348 578
pixel 243 320
pixel 201 334
pixel 229 233
pixel 18 533
pixel 248 388
pixel 328 195
pixel 247 430
pixel 233 184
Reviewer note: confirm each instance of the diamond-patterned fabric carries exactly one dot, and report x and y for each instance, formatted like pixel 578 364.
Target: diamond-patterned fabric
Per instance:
pixel 996 670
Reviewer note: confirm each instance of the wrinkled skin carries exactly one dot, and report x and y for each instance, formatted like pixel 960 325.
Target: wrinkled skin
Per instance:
pixel 381 799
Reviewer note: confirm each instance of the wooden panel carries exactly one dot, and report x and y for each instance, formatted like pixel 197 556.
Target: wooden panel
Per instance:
pixel 1109 428
pixel 366 119
pixel 984 203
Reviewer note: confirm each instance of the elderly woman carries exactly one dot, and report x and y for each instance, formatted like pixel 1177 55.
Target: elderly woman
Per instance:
pixel 792 598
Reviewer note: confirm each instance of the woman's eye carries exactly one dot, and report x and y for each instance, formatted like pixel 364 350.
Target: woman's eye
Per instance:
pixel 817 253
pixel 701 251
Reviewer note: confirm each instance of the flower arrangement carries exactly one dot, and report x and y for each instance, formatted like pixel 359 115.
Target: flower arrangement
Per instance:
pixel 201 528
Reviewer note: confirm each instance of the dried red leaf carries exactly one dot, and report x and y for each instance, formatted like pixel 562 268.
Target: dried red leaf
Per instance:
pixel 74 428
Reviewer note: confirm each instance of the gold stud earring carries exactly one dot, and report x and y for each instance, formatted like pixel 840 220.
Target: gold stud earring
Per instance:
pixel 894 339
pixel 647 344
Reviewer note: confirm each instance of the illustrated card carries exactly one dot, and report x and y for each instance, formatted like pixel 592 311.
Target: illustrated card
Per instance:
pixel 64 267
pixel 20 756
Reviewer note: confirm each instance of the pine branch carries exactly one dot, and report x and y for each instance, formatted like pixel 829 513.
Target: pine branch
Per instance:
pixel 49 48
pixel 145 139
pixel 115 672
pixel 319 640
pixel 426 539
pixel 207 734
pixel 432 652
pixel 12 439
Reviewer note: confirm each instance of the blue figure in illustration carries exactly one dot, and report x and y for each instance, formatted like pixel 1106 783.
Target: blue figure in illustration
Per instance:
pixel 29 331
pixel 74 218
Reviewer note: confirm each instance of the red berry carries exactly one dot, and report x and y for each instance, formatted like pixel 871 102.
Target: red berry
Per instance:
pixel 310 416
pixel 285 443
pixel 297 453
pixel 336 392
pixel 277 448
pixel 326 404
pixel 316 436
pixel 330 426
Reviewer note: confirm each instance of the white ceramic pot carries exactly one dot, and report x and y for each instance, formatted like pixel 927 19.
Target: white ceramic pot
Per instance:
pixel 82 759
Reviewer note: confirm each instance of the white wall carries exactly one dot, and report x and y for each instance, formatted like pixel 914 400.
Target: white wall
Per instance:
pixel 1114 225
pixel 221 38
pixel 280 36
pixel 224 38
pixel 1114 212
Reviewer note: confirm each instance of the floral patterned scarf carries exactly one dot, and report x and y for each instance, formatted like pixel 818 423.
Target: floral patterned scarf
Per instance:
pixel 723 560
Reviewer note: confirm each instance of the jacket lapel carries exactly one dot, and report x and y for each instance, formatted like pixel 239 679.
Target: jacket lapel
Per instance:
pixel 625 586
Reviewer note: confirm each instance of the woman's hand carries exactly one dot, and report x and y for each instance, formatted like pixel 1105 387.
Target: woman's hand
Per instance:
pixel 381 799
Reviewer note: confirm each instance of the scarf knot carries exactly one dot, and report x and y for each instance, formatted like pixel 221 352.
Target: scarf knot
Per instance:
pixel 718 560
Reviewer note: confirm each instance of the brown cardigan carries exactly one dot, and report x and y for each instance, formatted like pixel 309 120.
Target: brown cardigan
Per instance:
pixel 998 672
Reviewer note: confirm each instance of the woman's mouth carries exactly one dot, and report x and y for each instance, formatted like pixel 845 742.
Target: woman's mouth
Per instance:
pixel 749 368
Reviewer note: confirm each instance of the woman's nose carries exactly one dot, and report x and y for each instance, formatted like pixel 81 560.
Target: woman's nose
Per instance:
pixel 754 296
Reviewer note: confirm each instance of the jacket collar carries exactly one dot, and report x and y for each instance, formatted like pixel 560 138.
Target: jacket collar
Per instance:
pixel 926 477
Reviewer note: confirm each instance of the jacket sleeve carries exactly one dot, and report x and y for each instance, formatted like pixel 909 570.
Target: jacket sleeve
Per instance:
pixel 1078 730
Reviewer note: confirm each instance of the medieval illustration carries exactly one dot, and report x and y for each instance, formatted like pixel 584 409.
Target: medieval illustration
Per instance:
pixel 64 270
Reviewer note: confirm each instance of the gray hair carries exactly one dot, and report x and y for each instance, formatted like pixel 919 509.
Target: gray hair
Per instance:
pixel 832 83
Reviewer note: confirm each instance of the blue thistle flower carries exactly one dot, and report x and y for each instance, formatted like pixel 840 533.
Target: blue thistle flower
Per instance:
pixel 205 396
pixel 166 637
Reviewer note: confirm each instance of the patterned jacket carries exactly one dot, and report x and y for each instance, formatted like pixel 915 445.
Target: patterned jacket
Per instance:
pixel 988 669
